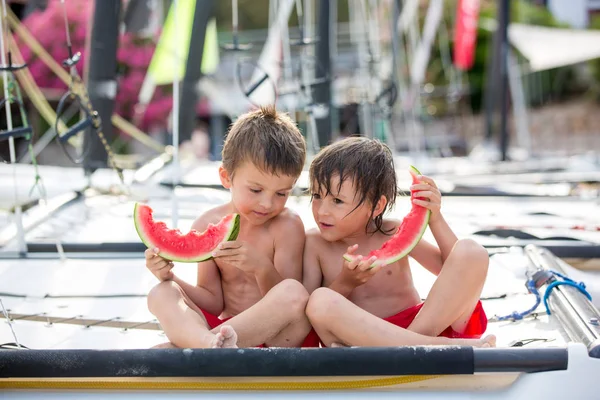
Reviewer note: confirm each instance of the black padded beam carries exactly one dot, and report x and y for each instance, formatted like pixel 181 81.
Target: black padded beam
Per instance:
pixel 276 362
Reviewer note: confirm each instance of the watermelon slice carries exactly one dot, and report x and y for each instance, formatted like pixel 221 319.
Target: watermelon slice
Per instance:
pixel 193 246
pixel 406 237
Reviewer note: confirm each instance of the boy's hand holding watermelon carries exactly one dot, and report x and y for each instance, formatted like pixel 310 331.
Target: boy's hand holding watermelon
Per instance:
pixel 160 267
pixel 426 194
pixel 241 255
pixel 356 272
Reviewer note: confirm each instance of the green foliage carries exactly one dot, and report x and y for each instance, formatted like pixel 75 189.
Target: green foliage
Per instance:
pixel 532 14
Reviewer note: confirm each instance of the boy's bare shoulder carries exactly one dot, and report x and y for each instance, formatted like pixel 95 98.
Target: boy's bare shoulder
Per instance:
pixel 211 216
pixel 317 247
pixel 314 238
pixel 288 221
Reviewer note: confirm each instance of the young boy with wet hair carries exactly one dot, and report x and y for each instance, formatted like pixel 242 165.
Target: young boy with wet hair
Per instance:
pixel 361 303
pixel 250 293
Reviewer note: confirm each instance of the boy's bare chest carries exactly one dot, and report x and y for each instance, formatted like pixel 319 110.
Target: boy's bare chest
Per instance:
pixel 389 279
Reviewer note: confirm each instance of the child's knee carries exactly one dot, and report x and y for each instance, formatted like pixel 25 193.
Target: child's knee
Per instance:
pixel 321 305
pixel 473 254
pixel 291 294
pixel 160 294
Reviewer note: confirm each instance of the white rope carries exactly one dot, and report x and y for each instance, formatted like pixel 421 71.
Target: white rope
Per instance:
pixel 9 324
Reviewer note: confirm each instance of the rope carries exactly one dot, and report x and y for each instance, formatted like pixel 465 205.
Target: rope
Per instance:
pixel 9 321
pixel 74 296
pixel 567 282
pixel 516 316
pixel 525 342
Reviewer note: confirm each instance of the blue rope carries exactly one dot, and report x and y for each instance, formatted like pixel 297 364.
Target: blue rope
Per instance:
pixel 516 316
pixel 567 282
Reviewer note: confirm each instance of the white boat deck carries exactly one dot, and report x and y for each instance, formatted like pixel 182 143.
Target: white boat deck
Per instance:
pixel 101 303
pixel 97 299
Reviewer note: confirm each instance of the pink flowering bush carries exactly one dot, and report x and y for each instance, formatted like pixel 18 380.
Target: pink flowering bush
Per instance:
pixel 133 57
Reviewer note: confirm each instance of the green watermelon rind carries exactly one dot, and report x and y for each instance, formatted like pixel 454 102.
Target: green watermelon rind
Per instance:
pixel 409 248
pixel 386 261
pixel 232 234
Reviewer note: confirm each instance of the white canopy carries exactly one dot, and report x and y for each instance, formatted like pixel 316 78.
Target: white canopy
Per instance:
pixel 547 48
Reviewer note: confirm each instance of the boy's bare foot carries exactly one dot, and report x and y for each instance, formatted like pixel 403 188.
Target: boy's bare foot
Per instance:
pixel 488 341
pixel 338 344
pixel 166 345
pixel 225 338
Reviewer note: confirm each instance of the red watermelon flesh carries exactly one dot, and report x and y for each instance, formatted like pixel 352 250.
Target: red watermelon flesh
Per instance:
pixel 407 236
pixel 173 245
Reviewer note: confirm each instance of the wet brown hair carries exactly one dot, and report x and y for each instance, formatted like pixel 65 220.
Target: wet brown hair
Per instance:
pixel 267 138
pixel 367 162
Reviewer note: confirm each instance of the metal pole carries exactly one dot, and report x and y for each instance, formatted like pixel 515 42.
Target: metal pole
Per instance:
pixel 102 85
pixel 360 19
pixel 576 313
pixel 175 113
pixel 517 94
pixel 322 91
pixel 22 245
pixel 189 92
pixel 400 60
pixel 504 18
pixel 491 81
pixel 397 55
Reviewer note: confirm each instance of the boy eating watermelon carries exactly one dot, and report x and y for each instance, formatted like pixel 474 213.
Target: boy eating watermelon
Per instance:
pixel 249 293
pixel 370 301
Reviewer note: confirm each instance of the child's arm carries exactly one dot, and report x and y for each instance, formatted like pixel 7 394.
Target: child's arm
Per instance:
pixel 444 236
pixel 289 248
pixel 207 294
pixel 426 254
pixel 312 276
pixel 429 256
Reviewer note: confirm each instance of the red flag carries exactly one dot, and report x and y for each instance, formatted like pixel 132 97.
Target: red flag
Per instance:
pixel 465 33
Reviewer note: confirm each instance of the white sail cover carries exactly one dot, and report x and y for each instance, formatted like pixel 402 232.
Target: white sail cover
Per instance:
pixel 547 48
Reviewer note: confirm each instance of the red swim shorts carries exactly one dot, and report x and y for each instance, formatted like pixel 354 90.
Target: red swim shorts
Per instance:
pixel 474 329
